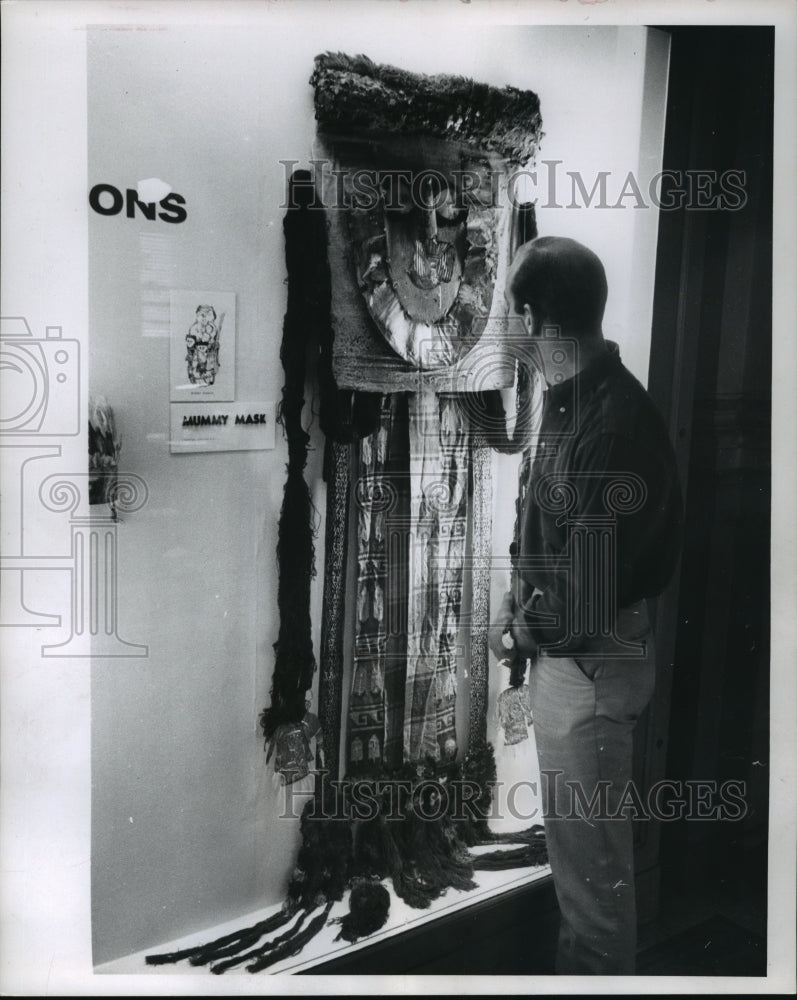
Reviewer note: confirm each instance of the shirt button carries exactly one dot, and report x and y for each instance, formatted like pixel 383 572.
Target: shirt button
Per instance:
pixel 561 409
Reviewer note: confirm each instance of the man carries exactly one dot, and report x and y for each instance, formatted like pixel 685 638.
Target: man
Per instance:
pixel 600 527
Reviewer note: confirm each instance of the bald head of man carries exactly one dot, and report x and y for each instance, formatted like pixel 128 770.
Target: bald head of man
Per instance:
pixel 556 281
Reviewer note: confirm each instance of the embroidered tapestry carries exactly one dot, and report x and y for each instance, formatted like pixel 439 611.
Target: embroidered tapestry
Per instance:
pixel 439 484
pixel 413 175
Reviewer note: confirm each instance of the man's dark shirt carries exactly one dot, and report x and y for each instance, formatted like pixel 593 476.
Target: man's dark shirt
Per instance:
pixel 598 428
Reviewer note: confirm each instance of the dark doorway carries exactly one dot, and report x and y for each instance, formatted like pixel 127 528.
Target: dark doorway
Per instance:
pixel 710 373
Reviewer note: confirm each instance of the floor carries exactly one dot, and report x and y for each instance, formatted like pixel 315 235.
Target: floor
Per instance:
pixel 719 929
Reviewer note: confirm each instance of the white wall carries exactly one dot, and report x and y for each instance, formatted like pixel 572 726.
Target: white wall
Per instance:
pixel 185 831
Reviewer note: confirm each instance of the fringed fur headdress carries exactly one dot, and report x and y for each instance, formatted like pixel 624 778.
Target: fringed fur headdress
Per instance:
pixel 353 92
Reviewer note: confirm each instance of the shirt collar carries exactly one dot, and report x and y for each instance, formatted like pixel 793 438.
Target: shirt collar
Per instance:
pixel 585 380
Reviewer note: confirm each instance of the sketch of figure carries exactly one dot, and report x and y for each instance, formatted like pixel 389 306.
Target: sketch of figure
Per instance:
pixel 202 341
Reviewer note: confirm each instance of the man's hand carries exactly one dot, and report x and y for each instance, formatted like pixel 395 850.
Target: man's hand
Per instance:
pixel 509 636
pixel 497 634
pixel 525 644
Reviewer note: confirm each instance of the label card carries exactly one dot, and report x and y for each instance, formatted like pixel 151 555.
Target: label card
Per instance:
pixel 222 427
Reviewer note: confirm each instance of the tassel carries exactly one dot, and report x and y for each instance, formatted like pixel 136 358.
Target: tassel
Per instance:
pixel 407 884
pixel 423 858
pixel 343 416
pixel 451 864
pixel 294 662
pixel 533 835
pixel 202 954
pixel 369 859
pixel 514 715
pixel 531 854
pixel 369 904
pixel 219 967
pixel 293 946
pixel 437 846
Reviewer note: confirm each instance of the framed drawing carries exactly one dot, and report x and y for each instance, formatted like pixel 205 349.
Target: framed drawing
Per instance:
pixel 202 346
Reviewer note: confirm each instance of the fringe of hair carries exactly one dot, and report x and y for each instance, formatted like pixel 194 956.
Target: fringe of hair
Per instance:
pixel 270 946
pixel 307 326
pixel 353 92
pixel 422 858
pixel 369 905
pixel 295 664
pixel 530 854
pixel 293 946
pixel 229 943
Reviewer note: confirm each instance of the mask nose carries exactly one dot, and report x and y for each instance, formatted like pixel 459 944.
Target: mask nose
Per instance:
pixel 428 209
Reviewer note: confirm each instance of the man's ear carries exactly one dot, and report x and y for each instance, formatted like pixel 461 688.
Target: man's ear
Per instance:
pixel 528 319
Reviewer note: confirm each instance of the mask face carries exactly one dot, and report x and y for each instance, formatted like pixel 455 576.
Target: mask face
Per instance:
pixel 425 254
pixel 416 181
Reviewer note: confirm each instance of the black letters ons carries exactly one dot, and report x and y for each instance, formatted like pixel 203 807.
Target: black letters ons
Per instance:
pixel 109 200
